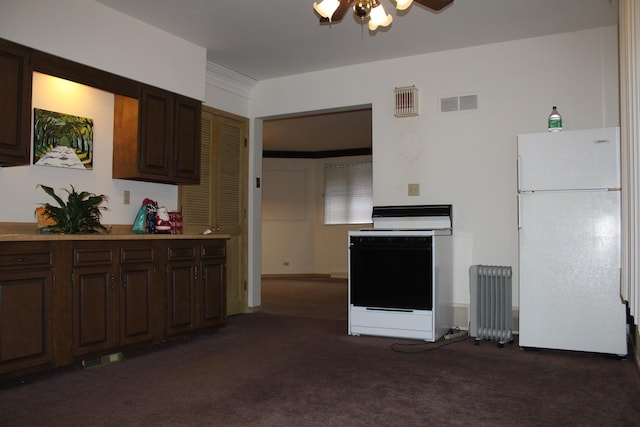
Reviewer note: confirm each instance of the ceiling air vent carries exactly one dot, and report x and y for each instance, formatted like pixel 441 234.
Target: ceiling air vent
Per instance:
pixel 458 103
pixel 406 101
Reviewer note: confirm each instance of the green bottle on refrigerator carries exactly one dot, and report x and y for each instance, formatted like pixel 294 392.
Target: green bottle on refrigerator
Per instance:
pixel 555 120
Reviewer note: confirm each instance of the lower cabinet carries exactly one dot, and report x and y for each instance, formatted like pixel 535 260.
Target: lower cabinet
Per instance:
pixel 195 286
pixel 114 301
pixel 213 298
pixel 71 300
pixel 140 292
pixel 26 301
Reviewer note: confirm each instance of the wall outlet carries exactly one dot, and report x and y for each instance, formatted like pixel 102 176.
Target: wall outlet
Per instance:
pixel 414 189
pixel 127 197
pixel 285 263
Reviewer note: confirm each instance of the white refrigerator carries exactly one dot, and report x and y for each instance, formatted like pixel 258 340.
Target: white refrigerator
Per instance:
pixel 569 241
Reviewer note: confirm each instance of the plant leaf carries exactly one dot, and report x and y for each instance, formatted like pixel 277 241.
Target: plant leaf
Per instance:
pixel 80 214
pixel 53 194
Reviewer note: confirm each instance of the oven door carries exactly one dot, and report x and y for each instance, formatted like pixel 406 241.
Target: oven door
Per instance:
pixel 391 270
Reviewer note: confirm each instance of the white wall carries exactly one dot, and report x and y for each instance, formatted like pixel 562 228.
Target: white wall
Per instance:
pixel 20 184
pixel 288 216
pixel 92 34
pixel 464 158
pixel 293 231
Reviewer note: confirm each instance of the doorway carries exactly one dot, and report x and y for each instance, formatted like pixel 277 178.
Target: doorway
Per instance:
pixel 296 245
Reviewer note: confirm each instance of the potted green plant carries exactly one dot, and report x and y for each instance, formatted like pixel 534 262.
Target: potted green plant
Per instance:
pixel 80 214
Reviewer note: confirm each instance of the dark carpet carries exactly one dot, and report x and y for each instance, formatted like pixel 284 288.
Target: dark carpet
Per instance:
pixel 268 369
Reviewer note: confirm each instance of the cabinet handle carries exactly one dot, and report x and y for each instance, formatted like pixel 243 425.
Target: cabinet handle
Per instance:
pixel 196 273
pixel 112 280
pixel 25 259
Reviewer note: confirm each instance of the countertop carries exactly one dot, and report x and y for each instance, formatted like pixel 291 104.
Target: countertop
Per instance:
pixel 23 231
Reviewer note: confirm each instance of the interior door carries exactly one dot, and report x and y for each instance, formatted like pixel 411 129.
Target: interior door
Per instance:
pixel 219 202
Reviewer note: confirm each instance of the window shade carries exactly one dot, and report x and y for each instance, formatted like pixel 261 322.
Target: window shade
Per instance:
pixel 348 193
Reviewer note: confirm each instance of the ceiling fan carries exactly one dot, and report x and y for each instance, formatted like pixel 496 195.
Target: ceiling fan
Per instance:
pixel 333 10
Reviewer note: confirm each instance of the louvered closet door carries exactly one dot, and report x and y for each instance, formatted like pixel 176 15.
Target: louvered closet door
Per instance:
pixel 229 197
pixel 219 202
pixel 195 200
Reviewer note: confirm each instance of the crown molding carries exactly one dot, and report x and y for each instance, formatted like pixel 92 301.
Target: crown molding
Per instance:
pixel 229 80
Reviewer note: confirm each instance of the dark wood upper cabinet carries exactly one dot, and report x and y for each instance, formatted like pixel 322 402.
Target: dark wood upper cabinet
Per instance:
pixel 156 132
pixel 157 139
pixel 188 113
pixel 15 104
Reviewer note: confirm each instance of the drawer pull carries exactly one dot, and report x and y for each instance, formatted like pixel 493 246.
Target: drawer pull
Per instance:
pixel 25 259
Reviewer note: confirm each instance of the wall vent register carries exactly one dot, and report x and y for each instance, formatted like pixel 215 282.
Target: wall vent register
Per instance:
pixel 458 103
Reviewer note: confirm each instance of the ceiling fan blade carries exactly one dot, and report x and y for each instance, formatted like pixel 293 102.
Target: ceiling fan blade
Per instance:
pixel 435 4
pixel 339 13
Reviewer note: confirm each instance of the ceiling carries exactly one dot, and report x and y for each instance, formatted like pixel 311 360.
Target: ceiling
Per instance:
pixel 349 130
pixel 274 38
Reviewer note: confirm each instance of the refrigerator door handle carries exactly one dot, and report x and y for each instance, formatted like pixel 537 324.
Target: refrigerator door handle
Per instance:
pixel 519 223
pixel 518 167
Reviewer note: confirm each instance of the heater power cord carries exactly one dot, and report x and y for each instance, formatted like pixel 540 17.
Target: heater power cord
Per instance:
pixel 457 335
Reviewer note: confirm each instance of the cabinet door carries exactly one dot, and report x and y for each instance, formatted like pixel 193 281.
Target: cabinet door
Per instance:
pixel 15 104
pixel 181 297
pixel 136 303
pixel 213 282
pixel 156 135
pixel 212 306
pixel 93 309
pixel 138 291
pixel 25 319
pixel 186 154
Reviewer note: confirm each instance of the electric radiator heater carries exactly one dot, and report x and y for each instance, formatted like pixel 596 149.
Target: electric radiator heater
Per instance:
pixel 491 304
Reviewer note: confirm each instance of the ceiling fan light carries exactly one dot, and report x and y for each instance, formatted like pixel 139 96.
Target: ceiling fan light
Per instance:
pixel 403 4
pixel 326 8
pixel 379 17
pixel 362 8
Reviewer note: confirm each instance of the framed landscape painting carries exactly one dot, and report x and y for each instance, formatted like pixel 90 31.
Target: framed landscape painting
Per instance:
pixel 62 140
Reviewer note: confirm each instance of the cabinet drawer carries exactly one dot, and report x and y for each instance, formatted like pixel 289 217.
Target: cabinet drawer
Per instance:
pixel 135 255
pixel 215 250
pixel 21 260
pixel 181 252
pixel 92 256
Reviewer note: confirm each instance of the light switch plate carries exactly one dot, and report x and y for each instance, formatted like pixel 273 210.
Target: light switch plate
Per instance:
pixel 414 189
